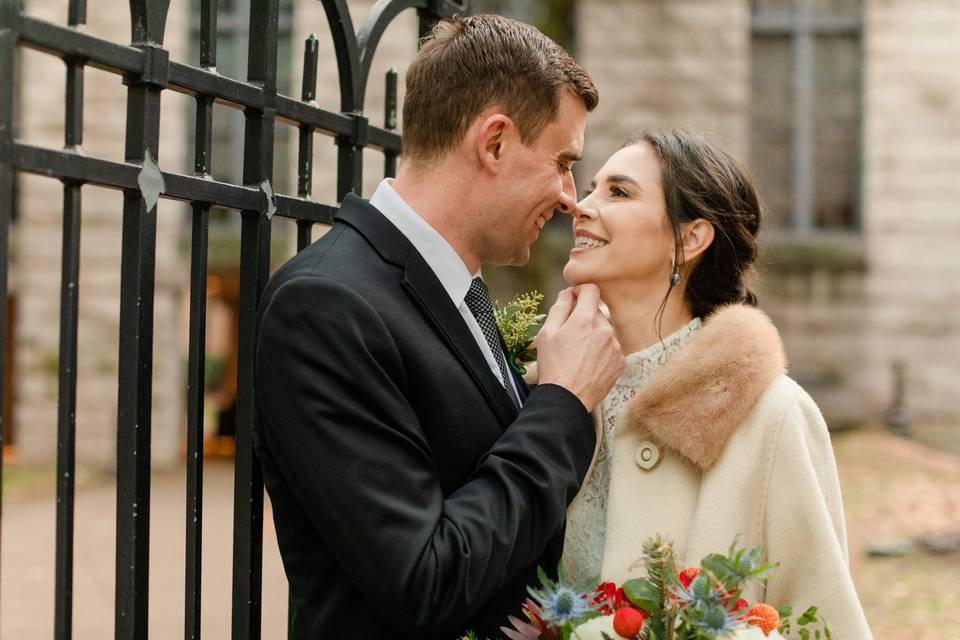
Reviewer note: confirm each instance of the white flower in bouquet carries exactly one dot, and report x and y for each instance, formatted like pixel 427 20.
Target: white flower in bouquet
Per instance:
pixel 594 629
pixel 753 632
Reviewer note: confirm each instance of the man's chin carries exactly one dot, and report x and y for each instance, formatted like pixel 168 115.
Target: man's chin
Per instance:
pixel 518 259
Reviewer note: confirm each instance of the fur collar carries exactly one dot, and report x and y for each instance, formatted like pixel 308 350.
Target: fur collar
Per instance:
pixel 695 401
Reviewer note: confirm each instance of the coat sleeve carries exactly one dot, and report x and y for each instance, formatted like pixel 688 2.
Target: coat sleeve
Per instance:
pixel 330 385
pixel 805 528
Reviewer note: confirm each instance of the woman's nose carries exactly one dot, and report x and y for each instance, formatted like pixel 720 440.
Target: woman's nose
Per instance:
pixel 585 209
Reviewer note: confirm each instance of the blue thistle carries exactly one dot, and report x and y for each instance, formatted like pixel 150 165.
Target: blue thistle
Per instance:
pixel 713 620
pixel 561 604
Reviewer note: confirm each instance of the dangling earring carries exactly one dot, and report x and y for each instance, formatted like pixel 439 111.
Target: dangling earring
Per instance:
pixel 675 275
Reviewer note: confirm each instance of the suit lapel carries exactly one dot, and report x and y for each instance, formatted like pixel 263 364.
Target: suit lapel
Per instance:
pixel 426 290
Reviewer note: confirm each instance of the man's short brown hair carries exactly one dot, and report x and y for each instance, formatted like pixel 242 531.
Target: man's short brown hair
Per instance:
pixel 468 64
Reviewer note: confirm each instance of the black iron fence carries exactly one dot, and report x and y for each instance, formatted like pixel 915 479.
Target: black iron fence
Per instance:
pixel 147 71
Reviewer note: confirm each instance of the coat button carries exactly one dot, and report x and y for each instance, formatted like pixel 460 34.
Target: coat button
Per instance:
pixel 647 455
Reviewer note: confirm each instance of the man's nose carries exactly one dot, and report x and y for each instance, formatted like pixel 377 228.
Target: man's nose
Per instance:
pixel 568 197
pixel 567 203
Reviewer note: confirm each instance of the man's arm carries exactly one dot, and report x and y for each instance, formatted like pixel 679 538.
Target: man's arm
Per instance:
pixel 330 380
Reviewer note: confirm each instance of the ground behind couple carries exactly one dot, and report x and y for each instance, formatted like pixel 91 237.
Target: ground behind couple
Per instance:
pixel 916 491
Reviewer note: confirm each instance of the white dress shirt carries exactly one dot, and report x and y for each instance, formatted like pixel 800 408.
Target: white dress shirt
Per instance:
pixel 442 260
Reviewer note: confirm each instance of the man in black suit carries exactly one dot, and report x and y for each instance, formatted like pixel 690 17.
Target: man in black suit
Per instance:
pixel 416 485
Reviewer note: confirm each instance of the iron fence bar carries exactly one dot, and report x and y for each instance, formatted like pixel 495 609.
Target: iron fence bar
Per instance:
pixel 308 93
pixel 254 268
pixel 62 42
pixel 203 149
pixel 137 268
pixel 195 389
pixel 135 373
pixel 305 210
pixel 66 410
pixel 9 11
pixel 67 164
pixel 208 33
pixel 192 81
pixel 67 379
pixel 390 122
pixel 122 175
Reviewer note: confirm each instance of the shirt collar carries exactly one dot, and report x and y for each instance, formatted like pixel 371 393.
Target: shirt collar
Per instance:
pixel 439 255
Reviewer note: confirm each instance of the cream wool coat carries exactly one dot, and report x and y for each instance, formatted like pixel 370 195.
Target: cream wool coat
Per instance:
pixel 741 450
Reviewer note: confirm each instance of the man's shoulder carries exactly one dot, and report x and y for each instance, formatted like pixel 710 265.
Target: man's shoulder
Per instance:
pixel 342 255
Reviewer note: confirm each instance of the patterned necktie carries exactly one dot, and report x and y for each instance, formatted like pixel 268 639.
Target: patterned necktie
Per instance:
pixel 478 301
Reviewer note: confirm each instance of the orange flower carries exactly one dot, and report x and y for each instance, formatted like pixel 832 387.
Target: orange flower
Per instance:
pixel 764 616
pixel 687 576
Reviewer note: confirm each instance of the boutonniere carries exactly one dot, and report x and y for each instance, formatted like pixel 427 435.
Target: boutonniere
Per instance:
pixel 519 323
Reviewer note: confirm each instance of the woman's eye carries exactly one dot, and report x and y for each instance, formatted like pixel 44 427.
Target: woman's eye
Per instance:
pixel 618 192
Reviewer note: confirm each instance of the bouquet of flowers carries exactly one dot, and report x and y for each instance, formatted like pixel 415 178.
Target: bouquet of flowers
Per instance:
pixel 695 603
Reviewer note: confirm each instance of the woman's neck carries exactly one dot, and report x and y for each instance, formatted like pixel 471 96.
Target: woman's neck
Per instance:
pixel 634 317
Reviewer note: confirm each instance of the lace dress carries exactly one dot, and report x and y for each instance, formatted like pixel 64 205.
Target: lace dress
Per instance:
pixel 586 517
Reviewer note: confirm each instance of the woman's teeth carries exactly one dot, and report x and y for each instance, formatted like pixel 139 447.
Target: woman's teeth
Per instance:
pixel 582 241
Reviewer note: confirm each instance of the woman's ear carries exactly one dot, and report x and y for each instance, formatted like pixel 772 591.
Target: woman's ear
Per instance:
pixel 697 236
pixel 492 135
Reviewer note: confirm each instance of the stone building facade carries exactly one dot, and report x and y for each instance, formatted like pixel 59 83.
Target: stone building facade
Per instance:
pixel 852 294
pixel 850 301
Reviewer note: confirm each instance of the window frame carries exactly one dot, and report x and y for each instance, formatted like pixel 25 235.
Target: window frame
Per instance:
pixel 802 27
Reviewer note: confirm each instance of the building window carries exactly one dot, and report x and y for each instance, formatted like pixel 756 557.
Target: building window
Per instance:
pixel 805 111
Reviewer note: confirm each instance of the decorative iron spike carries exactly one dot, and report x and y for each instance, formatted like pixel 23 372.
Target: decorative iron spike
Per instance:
pixel 77 13
pixel 311 50
pixel 148 19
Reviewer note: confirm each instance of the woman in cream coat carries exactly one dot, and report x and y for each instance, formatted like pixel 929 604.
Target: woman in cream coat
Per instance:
pixel 704 437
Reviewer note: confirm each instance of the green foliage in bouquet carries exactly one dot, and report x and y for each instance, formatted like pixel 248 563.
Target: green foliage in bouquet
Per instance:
pixel 810 624
pixel 708 606
pixel 519 323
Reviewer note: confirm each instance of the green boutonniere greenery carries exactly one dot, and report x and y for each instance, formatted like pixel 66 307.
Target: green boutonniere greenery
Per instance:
pixel 519 323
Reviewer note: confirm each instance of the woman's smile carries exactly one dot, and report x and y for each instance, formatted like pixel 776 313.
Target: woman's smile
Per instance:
pixel 584 241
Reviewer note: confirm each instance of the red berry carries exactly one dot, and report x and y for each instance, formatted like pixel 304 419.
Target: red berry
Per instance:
pixel 741 605
pixel 627 622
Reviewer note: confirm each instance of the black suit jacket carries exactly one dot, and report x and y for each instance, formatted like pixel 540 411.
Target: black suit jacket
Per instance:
pixel 410 498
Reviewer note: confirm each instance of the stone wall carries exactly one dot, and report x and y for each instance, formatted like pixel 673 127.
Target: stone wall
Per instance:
pixel 676 63
pixel 848 306
pixel 911 196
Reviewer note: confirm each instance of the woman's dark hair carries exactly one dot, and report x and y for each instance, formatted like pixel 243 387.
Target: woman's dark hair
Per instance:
pixel 701 180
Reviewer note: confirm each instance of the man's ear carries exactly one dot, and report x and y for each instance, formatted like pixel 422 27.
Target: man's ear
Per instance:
pixel 493 135
pixel 697 237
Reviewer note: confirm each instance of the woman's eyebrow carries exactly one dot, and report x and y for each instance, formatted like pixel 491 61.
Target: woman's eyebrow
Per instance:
pixel 619 177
